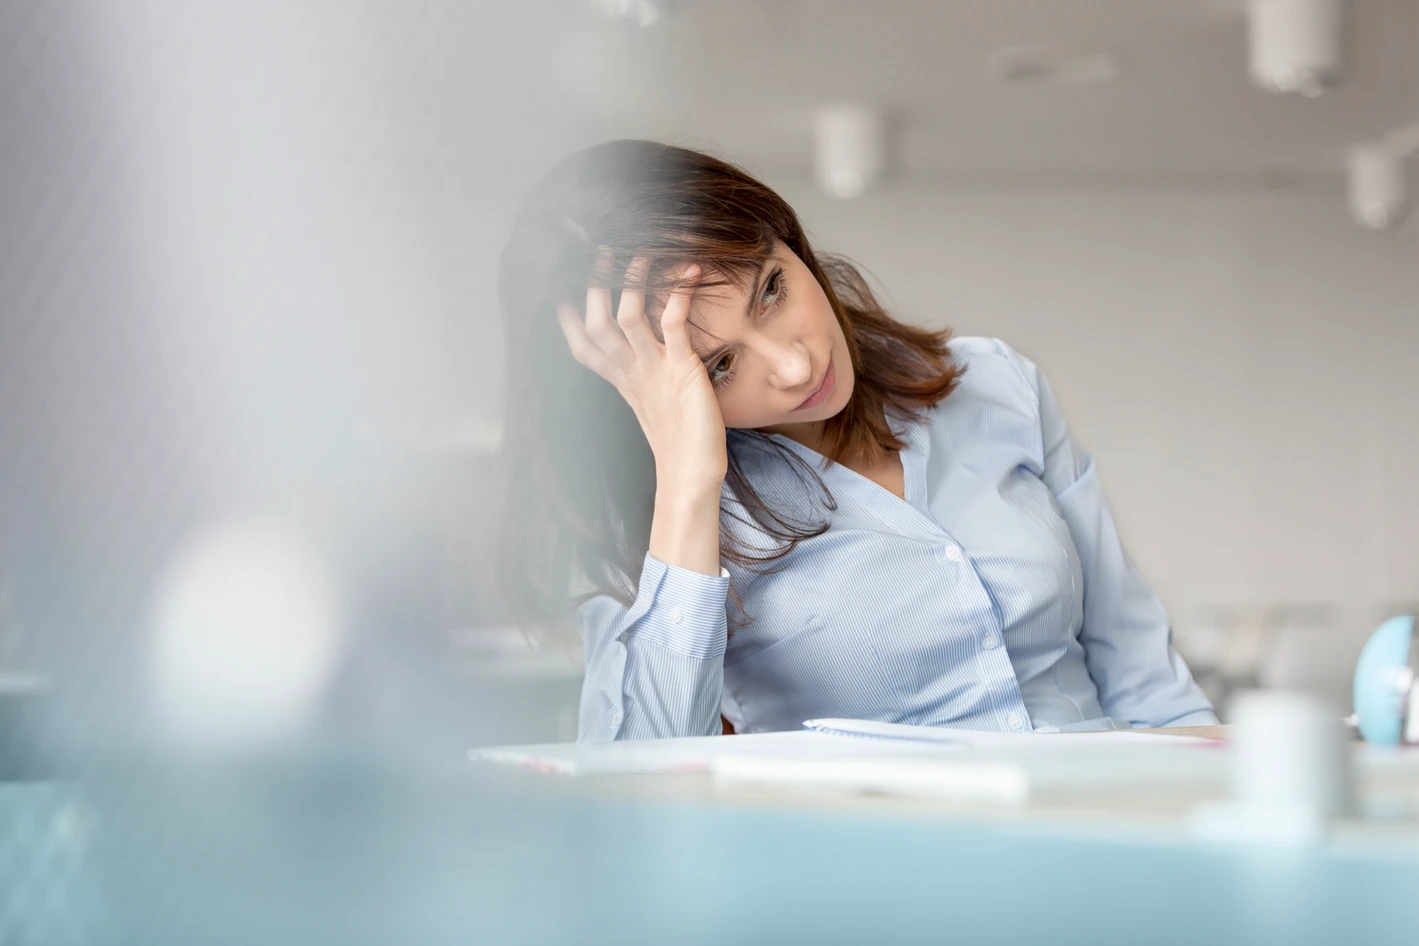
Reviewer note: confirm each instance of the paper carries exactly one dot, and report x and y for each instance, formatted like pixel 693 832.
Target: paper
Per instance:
pixel 688 755
pixel 945 777
pixel 1129 771
pixel 862 730
pixel 821 738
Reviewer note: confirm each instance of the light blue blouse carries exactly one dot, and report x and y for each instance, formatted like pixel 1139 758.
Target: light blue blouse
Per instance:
pixel 995 596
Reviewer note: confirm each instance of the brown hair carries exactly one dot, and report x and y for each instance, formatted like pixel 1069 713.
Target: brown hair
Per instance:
pixel 580 477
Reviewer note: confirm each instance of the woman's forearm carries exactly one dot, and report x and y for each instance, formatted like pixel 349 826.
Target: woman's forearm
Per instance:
pixel 685 529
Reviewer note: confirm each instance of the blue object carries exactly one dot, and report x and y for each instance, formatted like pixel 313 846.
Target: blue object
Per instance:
pixel 1384 678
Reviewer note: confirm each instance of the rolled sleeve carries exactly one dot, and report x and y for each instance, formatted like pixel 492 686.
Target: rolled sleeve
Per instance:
pixel 1195 718
pixel 686 615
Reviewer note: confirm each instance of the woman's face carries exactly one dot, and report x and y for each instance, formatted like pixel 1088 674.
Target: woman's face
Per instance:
pixel 773 348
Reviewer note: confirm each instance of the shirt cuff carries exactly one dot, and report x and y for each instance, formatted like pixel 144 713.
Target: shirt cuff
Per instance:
pixel 686 612
pixel 1195 718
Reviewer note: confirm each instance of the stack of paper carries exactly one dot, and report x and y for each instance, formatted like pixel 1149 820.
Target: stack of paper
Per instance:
pixel 842 755
pixel 691 755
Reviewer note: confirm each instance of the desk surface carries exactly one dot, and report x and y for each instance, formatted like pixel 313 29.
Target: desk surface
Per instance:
pixel 1389 797
pixel 818 869
pixel 1205 732
pixel 355 852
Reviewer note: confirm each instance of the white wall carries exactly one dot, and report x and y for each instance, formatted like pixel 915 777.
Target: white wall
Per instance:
pixel 1244 365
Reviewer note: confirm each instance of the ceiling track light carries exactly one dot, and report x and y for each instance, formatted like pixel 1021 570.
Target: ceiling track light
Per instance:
pixel 1378 185
pixel 1378 178
pixel 642 13
pixel 1296 45
pixel 850 154
pixel 1046 64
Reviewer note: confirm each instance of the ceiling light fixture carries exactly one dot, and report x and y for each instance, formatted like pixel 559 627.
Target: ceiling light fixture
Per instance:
pixel 1379 179
pixel 1377 191
pixel 638 12
pixel 851 149
pixel 1046 64
pixel 1296 45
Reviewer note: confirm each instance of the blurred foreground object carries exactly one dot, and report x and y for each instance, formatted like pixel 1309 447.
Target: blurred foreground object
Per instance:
pixel 1291 771
pixel 246 635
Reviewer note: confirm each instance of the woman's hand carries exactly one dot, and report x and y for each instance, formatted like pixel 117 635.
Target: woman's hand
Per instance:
pixel 664 383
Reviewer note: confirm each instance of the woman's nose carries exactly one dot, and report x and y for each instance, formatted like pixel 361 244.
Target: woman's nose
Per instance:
pixel 791 365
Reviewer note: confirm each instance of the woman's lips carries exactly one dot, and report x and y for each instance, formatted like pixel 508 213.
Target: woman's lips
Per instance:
pixel 823 391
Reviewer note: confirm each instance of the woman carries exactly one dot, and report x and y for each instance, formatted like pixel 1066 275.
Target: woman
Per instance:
pixel 780 502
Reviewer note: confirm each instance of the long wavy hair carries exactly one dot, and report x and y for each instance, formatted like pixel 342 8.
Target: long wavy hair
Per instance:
pixel 579 480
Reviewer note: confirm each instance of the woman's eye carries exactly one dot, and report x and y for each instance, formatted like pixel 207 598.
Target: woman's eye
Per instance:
pixel 720 369
pixel 773 289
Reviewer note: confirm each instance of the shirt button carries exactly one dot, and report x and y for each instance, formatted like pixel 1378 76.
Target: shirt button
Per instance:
pixel 953 553
pixel 676 615
pixel 1015 721
pixel 990 641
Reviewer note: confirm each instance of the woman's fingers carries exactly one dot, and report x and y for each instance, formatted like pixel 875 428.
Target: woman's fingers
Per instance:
pixel 631 315
pixel 601 324
pixel 616 348
pixel 583 348
pixel 675 319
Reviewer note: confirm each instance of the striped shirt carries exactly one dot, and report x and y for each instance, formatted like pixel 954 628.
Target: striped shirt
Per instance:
pixel 996 595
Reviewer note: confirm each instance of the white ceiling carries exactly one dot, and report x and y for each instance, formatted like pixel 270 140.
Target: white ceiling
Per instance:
pixel 745 75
